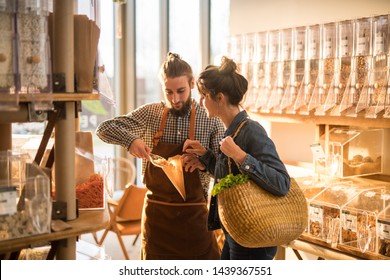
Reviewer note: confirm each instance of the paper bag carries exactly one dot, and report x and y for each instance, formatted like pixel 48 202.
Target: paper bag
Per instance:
pixel 174 171
pixel 86 38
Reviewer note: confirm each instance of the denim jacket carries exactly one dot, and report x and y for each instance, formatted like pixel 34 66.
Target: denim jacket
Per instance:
pixel 262 163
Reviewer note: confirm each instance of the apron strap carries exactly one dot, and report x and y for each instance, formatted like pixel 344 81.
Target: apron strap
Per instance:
pixel 159 133
pixel 192 122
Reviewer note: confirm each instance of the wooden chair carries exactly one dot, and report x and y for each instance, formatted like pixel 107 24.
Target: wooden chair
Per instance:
pixel 125 215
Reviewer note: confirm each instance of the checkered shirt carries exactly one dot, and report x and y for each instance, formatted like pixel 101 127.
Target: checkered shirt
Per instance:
pixel 145 121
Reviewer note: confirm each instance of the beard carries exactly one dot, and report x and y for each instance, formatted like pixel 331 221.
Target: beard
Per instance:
pixel 184 110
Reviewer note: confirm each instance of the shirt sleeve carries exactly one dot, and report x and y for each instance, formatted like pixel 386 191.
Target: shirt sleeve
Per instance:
pixel 262 162
pixel 123 130
pixel 209 159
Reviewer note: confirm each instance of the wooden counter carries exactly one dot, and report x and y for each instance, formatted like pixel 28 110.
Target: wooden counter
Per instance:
pixel 87 222
pixel 325 251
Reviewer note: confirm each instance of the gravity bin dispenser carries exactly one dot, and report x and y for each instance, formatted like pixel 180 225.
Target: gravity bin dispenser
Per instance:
pixel 348 152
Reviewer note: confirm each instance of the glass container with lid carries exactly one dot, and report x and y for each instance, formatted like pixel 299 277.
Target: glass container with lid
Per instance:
pixel 312 67
pixel 383 232
pixel 351 152
pixel 273 67
pixel 311 186
pixel 343 65
pixel 359 218
pixel 325 210
pixel 360 68
pixel 34 59
pixel 30 213
pixel 286 72
pixel 325 84
pixel 374 97
pixel 246 66
pixel 234 48
pixel 290 101
pixel 8 56
pixel 260 51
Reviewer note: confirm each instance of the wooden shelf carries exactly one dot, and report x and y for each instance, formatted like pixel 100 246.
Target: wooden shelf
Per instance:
pixel 88 221
pixel 55 97
pixel 360 120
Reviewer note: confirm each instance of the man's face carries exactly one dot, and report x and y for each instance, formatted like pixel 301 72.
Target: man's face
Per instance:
pixel 178 94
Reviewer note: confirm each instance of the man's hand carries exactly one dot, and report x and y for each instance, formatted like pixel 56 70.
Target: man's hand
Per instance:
pixel 139 149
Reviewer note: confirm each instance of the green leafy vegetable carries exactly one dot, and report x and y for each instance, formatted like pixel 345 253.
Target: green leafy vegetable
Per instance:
pixel 229 181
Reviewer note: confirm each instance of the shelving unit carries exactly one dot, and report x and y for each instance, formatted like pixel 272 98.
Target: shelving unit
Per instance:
pixel 64 152
pixel 88 221
pixel 324 120
pixel 306 243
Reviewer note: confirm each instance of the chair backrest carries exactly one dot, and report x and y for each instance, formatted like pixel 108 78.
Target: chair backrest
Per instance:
pixel 121 171
pixel 131 204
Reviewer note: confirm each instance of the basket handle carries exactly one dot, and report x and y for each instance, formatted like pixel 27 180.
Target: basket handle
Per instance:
pixel 234 136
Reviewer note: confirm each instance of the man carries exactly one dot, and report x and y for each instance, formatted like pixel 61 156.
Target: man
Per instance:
pixel 173 227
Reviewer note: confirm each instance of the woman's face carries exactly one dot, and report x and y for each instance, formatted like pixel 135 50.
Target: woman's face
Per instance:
pixel 177 91
pixel 209 104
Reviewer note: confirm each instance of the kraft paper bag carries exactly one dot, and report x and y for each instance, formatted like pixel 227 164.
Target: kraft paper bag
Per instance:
pixel 84 162
pixel 174 171
pixel 86 39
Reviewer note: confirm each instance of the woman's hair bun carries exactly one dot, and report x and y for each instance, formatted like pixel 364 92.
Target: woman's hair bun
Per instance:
pixel 228 66
pixel 173 55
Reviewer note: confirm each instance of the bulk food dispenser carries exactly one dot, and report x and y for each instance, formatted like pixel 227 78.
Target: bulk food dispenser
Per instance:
pixel 342 71
pixel 260 51
pixel 8 70
pixel 273 72
pixel 285 72
pixel 383 232
pixel 26 202
pixel 311 186
pixel 325 210
pixel 297 71
pixel 34 60
pixel 325 83
pixel 351 152
pixel 312 55
pixel 374 97
pixel 359 219
pixel 360 68
pixel 246 65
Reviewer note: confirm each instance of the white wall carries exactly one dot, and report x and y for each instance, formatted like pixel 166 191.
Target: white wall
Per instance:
pixel 260 15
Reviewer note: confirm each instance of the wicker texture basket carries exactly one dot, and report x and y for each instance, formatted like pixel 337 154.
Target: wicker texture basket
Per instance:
pixel 256 218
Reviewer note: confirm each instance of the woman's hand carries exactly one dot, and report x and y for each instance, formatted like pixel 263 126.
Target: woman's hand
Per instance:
pixel 232 150
pixel 191 162
pixel 194 147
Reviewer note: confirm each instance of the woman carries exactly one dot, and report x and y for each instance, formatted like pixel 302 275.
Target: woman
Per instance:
pixel 222 90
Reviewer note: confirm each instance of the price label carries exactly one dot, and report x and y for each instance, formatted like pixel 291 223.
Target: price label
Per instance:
pixel 7 200
pixel 317 151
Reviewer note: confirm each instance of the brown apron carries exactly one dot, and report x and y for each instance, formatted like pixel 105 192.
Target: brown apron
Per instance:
pixel 171 227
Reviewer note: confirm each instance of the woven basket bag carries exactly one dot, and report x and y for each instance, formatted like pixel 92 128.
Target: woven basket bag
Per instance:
pixel 256 218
